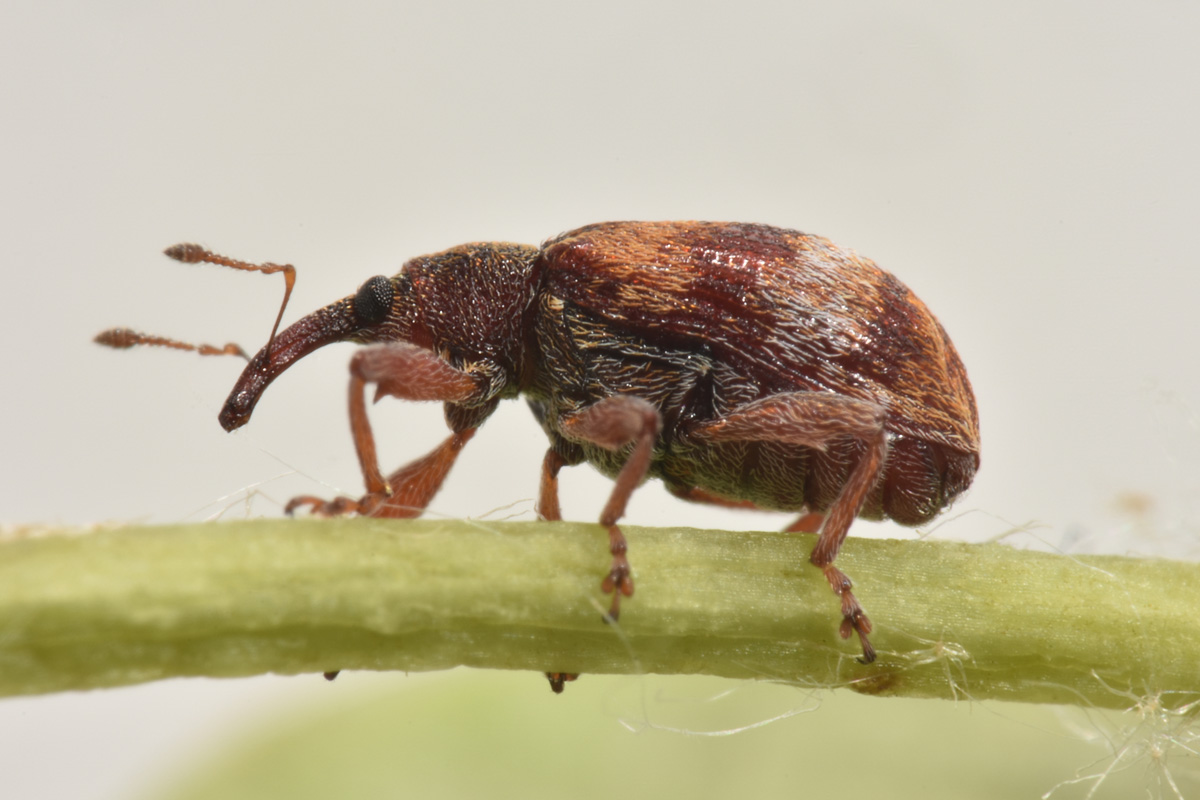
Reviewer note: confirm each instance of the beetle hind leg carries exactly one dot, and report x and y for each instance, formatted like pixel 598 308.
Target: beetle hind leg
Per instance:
pixel 833 532
pixel 694 494
pixel 854 619
pixel 816 420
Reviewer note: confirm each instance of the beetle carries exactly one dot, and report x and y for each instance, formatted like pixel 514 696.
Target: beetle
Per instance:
pixel 743 365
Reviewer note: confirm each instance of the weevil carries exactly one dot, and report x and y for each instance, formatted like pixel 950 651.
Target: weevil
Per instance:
pixel 743 365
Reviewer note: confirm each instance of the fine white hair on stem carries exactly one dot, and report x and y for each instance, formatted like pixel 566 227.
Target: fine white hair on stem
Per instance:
pixel 1159 731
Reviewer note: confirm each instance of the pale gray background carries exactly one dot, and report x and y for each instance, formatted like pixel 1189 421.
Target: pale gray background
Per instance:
pixel 1030 169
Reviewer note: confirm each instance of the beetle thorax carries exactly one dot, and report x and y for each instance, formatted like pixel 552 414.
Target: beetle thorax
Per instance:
pixel 470 303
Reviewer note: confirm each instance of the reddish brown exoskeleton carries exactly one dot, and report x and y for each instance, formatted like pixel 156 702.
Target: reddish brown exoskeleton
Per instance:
pixel 744 365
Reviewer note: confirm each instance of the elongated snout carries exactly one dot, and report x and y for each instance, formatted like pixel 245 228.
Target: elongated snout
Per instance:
pixel 350 318
pixel 333 323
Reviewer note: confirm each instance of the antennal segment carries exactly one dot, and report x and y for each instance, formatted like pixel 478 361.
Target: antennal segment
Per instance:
pixel 124 338
pixel 195 254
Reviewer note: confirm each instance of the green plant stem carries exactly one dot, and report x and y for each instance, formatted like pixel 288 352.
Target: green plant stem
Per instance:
pixel 122 606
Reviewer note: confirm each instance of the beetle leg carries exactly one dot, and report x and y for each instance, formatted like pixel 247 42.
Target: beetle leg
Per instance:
pixel 557 679
pixel 410 373
pixel 694 494
pixel 548 509
pixel 414 485
pixel 613 423
pixel 411 488
pixel 547 504
pixel 808 523
pixel 816 419
pixel 833 533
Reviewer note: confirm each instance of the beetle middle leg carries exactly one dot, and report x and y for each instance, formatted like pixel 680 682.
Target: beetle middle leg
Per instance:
pixel 410 373
pixel 547 504
pixel 611 423
pixel 816 419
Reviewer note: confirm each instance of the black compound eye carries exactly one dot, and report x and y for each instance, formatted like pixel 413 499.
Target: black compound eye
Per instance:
pixel 373 300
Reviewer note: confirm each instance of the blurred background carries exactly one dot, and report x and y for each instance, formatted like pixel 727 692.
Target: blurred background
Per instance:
pixel 1029 169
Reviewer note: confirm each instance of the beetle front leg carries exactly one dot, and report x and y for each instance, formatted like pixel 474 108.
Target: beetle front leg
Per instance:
pixel 816 419
pixel 410 373
pixel 613 423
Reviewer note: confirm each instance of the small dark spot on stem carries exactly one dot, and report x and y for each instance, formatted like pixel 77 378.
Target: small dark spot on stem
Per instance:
pixel 877 683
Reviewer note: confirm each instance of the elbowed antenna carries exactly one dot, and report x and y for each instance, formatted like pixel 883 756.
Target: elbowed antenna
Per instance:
pixel 336 322
pixel 124 338
pixel 196 254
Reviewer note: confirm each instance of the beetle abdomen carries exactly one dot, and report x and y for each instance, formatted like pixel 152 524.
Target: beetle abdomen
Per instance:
pixel 919 479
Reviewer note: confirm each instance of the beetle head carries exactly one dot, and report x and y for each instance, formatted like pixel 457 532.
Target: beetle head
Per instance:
pixel 468 301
